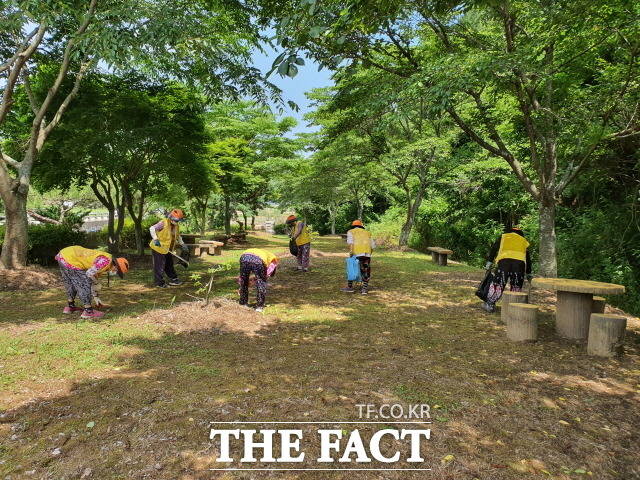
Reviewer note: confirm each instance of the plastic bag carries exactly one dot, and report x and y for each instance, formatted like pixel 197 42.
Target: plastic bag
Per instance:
pixel 293 247
pixel 483 289
pixel 353 270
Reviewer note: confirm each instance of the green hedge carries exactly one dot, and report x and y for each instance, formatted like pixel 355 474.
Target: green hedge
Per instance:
pixel 45 241
pixel 128 235
pixel 281 229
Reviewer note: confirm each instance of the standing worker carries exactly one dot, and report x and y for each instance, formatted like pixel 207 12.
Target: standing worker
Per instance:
pixel 361 244
pixel 262 264
pixel 299 232
pixel 165 235
pixel 80 268
pixel 511 255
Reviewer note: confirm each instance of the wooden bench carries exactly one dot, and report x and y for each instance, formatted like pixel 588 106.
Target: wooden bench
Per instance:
pixel 439 255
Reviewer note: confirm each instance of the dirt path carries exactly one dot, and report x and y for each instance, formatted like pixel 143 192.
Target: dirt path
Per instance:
pixel 133 396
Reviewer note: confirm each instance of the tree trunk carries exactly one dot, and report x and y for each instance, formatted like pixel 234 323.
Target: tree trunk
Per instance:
pixel 14 248
pixel 412 210
pixel 332 218
pixel 136 212
pixel 253 222
pixel 548 260
pixel 137 226
pixel 360 208
pixel 203 218
pixel 244 218
pixel 111 231
pixel 114 228
pixel 227 215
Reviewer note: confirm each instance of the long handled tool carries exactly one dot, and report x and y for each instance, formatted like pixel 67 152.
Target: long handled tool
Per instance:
pixel 181 260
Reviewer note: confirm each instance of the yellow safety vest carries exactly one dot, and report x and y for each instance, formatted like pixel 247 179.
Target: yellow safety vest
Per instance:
pixel 167 240
pixel 513 246
pixel 83 258
pixel 361 241
pixel 266 256
pixel 304 237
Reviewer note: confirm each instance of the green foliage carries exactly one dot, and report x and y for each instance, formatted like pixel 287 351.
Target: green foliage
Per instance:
pixel 46 240
pixel 281 229
pixel 599 243
pixel 386 229
pixel 206 288
pixel 128 235
pixel 73 219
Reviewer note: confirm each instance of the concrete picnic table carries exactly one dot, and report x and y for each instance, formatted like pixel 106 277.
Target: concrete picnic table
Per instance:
pixel 190 237
pixel 575 303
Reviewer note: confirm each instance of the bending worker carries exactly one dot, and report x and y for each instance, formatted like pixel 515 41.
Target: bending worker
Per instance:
pixel 299 231
pixel 511 255
pixel 80 268
pixel 165 235
pixel 361 244
pixel 263 264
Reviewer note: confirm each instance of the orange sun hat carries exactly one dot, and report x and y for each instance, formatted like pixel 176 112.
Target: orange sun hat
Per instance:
pixel 176 215
pixel 122 266
pixel 357 223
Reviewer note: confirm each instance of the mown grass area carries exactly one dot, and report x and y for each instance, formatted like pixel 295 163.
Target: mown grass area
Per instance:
pixel 133 395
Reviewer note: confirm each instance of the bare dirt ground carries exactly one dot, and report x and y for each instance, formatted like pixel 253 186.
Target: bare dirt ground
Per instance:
pixel 30 278
pixel 133 396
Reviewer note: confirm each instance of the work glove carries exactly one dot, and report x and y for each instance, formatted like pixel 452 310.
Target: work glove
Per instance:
pixel 487 265
pixel 156 242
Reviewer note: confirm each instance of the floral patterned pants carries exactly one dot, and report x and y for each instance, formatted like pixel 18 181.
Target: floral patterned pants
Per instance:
pixel 515 279
pixel 252 264
pixel 75 283
pixel 303 255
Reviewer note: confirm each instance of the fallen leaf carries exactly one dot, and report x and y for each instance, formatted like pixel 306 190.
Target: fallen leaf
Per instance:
pixel 447 459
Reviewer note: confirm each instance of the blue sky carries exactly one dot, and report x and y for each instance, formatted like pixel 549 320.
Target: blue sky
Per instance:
pixel 294 89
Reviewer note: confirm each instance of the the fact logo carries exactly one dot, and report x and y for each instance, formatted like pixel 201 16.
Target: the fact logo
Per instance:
pixel 330 443
pixel 318 447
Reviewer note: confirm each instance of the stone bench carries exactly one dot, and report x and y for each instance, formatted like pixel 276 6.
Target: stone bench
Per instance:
pixel 199 249
pixel 212 244
pixel 439 255
pixel 606 335
pixel 522 322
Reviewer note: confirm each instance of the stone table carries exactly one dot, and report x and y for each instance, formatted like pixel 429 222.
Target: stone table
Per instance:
pixel 575 303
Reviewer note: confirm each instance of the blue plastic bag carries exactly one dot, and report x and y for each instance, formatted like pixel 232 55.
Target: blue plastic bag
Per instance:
pixel 353 270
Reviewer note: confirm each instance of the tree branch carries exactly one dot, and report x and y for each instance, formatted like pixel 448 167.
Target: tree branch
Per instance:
pixel 14 74
pixel 9 161
pixel 42 218
pixel 511 160
pixel 36 131
pixel 7 65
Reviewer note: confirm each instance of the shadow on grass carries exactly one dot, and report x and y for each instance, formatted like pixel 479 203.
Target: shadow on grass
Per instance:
pixel 416 339
pixel 152 412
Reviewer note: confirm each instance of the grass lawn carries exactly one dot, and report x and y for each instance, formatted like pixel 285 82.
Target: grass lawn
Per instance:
pixel 132 396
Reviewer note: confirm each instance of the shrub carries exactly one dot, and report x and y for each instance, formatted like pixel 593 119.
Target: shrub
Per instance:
pixel 128 234
pixel 386 230
pixel 73 218
pixel 281 229
pixel 46 240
